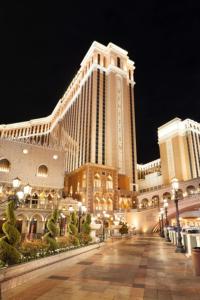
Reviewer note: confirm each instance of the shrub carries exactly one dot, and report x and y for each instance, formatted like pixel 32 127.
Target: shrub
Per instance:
pixel 9 243
pixel 84 238
pixel 86 225
pixel 124 228
pixel 73 229
pixel 63 242
pixel 50 236
pixel 74 240
pixel 34 249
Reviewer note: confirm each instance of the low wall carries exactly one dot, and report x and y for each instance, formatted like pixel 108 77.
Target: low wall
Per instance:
pixel 13 276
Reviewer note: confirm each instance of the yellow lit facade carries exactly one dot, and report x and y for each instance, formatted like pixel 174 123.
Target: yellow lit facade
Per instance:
pixel 93 124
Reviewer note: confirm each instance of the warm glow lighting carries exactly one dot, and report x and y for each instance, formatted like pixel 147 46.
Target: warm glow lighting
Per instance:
pixel 116 223
pixel 27 189
pixel 55 156
pixel 175 184
pixel 71 209
pixel 16 182
pixel 20 195
pixel 84 208
pixel 25 151
pixel 165 205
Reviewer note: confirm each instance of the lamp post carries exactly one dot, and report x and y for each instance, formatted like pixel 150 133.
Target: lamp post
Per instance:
pixel 166 220
pixel 62 224
pixel 162 223
pixel 71 209
pixel 175 187
pixel 159 218
pixel 81 211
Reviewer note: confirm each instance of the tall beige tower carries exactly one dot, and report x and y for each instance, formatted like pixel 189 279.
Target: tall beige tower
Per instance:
pixel 179 143
pixel 94 121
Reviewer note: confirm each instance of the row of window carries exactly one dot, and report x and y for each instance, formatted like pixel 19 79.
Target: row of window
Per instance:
pixel 97 117
pixel 5 166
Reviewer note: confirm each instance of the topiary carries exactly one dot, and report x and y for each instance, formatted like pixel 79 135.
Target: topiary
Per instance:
pixel 68 221
pixel 124 228
pixel 86 225
pixel 73 225
pixel 50 236
pixel 8 243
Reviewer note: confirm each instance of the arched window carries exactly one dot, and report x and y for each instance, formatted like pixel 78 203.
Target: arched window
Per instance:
pixel 109 183
pixel 144 203
pixel 4 165
pixel 71 190
pixel 155 201
pixel 167 195
pixel 97 203
pixel 97 181
pixel 42 171
pixel 84 180
pixel 110 204
pixel 190 190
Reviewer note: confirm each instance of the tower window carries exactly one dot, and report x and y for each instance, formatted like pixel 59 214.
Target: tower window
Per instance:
pixel 118 62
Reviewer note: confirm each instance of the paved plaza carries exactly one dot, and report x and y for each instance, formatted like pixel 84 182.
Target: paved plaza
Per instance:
pixel 143 267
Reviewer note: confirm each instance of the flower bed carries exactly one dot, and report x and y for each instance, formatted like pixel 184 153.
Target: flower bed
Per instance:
pixel 13 276
pixel 35 249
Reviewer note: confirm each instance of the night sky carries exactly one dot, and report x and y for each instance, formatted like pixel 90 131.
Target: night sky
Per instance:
pixel 42 48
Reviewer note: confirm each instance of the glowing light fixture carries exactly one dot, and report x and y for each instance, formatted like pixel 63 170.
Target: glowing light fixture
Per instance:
pixel 175 184
pixel 25 151
pixel 16 182
pixel 20 195
pixel 71 209
pixel 27 189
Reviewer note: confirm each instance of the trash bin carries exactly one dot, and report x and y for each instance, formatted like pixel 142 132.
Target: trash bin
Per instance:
pixel 196 260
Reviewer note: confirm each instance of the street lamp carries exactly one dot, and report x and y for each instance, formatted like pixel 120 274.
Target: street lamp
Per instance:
pixel 81 211
pixel 62 222
pixel 159 220
pixel 175 188
pixel 71 209
pixel 166 220
pixel 27 189
pixel 16 182
pixel 162 223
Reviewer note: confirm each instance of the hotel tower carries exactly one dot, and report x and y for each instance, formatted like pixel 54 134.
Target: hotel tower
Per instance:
pixel 94 121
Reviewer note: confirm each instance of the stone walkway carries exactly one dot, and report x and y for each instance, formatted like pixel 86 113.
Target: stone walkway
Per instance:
pixel 144 267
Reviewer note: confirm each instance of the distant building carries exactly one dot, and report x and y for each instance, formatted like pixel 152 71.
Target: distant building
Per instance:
pixel 179 143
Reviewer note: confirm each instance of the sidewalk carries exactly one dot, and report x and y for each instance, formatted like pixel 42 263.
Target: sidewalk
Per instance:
pixel 143 267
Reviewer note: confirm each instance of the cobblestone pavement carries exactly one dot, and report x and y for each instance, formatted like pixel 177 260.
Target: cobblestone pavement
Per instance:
pixel 143 267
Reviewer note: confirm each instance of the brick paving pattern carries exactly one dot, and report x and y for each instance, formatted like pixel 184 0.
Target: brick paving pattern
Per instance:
pixel 144 267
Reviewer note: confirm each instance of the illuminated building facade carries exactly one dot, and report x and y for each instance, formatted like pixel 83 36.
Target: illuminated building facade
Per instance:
pixel 94 122
pixel 179 142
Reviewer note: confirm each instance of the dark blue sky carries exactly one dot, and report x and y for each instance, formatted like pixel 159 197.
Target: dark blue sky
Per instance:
pixel 42 47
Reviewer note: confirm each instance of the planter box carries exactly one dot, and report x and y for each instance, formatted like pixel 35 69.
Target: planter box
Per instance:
pixel 15 275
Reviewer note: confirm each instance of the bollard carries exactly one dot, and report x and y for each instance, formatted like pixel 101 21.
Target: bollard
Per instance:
pixel 196 260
